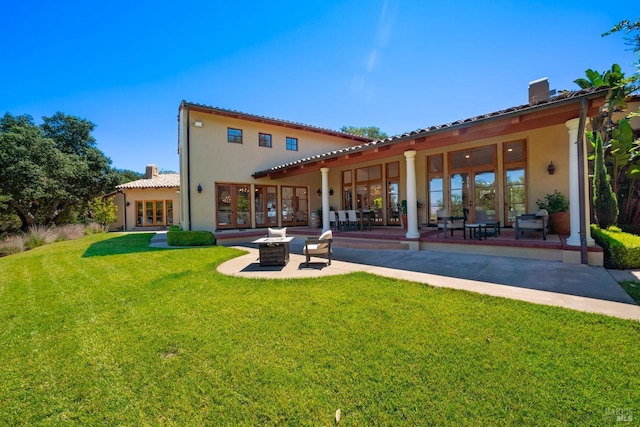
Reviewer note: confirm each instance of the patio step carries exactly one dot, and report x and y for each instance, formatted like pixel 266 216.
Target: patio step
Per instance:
pixel 369 244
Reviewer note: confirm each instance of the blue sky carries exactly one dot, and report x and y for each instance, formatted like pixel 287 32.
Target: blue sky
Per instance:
pixel 399 65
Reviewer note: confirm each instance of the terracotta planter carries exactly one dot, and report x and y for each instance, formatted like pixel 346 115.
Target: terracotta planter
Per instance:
pixel 560 223
pixel 404 221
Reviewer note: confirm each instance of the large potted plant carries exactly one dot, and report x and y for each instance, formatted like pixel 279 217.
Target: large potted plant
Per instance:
pixel 557 206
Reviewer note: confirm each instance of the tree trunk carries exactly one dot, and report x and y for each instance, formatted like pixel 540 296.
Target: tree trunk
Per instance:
pixel 25 216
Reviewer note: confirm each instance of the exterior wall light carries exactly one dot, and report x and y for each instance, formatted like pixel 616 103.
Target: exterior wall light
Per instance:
pixel 197 124
pixel 199 188
pixel 551 168
pixel 319 192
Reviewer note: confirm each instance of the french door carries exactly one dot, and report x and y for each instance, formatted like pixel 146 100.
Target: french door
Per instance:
pixel 515 194
pixel 476 191
pixel 150 213
pixel 295 206
pixel 515 178
pixel 472 183
pixel 233 206
pixel 265 204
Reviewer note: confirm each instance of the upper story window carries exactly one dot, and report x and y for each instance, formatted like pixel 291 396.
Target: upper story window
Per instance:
pixel 234 135
pixel 264 140
pixel 292 144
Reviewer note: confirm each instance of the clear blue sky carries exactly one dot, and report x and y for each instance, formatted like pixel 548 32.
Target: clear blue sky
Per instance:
pixel 399 65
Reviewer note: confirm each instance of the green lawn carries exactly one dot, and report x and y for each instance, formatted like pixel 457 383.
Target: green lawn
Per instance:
pixel 104 330
pixel 633 289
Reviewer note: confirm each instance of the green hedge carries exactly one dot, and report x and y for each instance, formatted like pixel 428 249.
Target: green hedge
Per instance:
pixel 174 228
pixel 621 250
pixel 633 229
pixel 190 238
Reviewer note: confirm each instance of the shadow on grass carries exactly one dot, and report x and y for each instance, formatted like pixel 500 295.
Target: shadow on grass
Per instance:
pixel 127 244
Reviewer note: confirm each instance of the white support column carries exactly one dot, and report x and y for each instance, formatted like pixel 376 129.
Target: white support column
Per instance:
pixel 574 191
pixel 412 200
pixel 325 199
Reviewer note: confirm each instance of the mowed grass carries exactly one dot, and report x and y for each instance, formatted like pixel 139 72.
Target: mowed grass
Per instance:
pixel 106 331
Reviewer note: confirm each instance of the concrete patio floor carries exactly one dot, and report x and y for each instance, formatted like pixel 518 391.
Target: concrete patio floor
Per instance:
pixel 574 286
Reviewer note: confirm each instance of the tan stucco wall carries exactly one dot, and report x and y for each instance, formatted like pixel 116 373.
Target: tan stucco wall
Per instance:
pixel 133 195
pixel 214 160
pixel 118 200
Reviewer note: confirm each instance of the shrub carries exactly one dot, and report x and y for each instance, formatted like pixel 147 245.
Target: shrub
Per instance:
pixel 605 204
pixel 69 232
pixel 93 228
pixel 174 228
pixel 103 211
pixel 38 236
pixel 11 245
pixel 190 238
pixel 554 202
pixel 621 250
pixel 630 228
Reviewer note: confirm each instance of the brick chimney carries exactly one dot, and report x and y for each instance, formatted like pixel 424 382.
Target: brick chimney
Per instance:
pixel 539 90
pixel 151 172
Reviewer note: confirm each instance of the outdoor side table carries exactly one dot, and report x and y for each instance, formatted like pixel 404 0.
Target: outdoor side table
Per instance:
pixel 493 228
pixel 477 230
pixel 273 250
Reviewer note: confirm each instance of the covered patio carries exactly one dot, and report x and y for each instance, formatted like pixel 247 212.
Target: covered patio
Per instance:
pixel 528 246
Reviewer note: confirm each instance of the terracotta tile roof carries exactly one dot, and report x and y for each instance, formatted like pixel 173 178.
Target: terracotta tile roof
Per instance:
pixel 271 120
pixel 563 98
pixel 163 180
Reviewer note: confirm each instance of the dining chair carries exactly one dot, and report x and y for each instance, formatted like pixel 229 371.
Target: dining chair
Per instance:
pixel 332 220
pixel 342 220
pixel 353 219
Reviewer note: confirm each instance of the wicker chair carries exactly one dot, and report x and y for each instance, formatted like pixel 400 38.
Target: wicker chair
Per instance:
pixel 446 222
pixel 320 247
pixel 538 221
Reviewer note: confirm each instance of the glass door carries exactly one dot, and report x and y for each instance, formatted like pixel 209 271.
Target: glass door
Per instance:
pixel 223 204
pixel 243 213
pixel 460 190
pixel 515 195
pixel 233 206
pixel 294 206
pixel 473 183
pixel 515 178
pixel 393 200
pixel 484 200
pixel 265 205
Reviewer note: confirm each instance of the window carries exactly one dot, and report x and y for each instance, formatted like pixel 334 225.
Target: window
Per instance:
pixel 234 135
pixel 264 140
pixel 292 144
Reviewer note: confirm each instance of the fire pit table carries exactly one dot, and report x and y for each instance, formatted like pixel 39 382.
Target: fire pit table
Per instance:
pixel 273 250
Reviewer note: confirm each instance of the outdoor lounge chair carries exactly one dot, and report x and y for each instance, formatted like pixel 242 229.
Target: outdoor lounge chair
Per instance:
pixel 447 222
pixel 538 221
pixel 320 247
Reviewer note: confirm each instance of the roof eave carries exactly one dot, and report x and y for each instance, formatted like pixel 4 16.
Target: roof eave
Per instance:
pixel 595 93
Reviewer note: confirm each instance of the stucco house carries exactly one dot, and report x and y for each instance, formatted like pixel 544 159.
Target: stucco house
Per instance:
pixel 242 171
pixel 151 203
